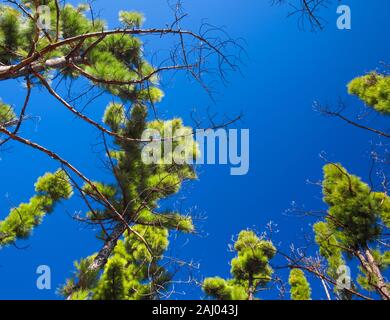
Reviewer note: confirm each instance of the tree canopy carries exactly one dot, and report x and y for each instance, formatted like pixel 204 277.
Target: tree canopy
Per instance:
pixel 68 42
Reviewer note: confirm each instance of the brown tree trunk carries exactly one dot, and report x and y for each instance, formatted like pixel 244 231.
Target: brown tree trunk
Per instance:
pixel 382 285
pixel 53 63
pixel 371 267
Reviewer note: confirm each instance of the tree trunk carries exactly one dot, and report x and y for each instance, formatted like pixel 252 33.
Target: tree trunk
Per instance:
pixel 371 267
pixel 101 258
pixel 53 63
pixel 251 289
pixel 382 285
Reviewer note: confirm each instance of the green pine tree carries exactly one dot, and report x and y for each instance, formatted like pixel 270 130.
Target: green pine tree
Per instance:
pixel 356 219
pixel 133 263
pixel 133 229
pixel 250 270
pixel 300 287
pixel 374 90
pixel 51 188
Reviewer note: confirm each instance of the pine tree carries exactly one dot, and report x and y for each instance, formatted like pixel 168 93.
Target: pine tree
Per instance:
pixel 75 45
pixel 300 287
pixel 133 265
pixel 358 216
pixel 250 270
pixel 51 188
pixel 356 219
pixel 114 61
pixel 353 229
pixel 374 90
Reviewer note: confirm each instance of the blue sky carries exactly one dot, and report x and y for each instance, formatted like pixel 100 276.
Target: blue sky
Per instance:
pixel 286 69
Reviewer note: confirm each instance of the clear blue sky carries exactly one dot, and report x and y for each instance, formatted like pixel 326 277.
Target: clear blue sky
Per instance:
pixel 285 71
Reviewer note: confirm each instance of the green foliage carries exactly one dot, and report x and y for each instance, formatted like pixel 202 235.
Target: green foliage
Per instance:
pixel 131 273
pixel 114 116
pixel 131 19
pixel 354 210
pixel 171 221
pixel 138 186
pixel 86 279
pixel 74 22
pixel 112 283
pixel 222 289
pixel 116 64
pixel 250 269
pixel 51 188
pixel 374 90
pixel 329 247
pixel 300 287
pixel 134 265
pixel 55 186
pixel 357 216
pixel 252 259
pixel 365 280
pixel 6 113
pixel 10 33
pixel 133 270
pixel 108 191
pixel 116 57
